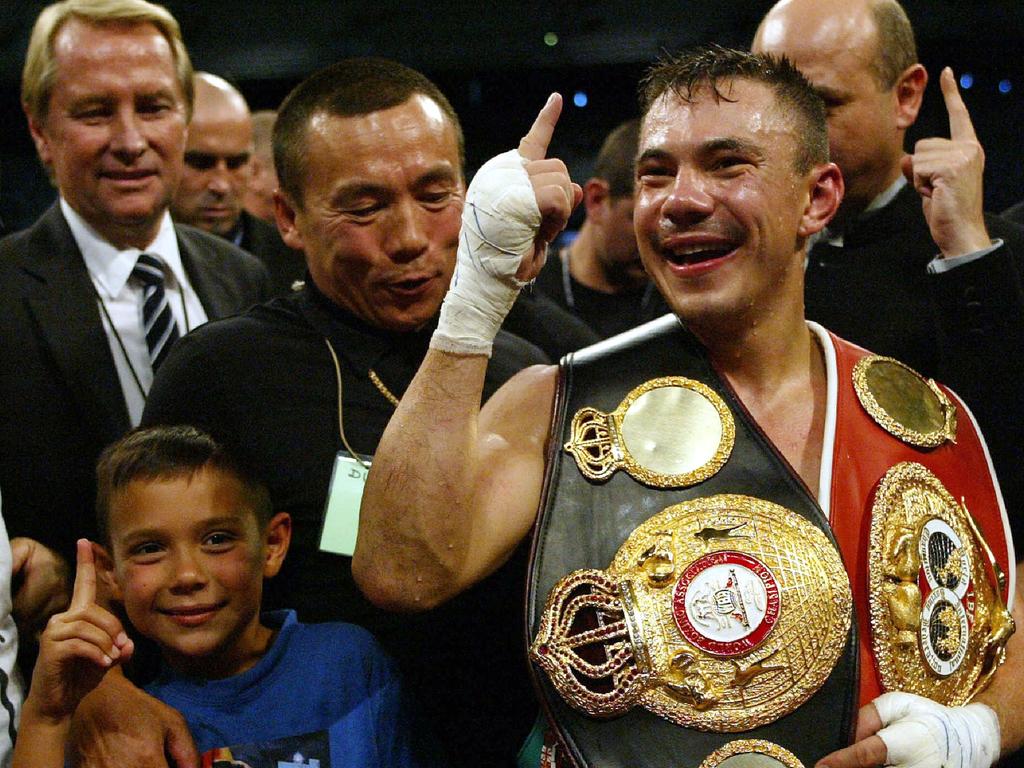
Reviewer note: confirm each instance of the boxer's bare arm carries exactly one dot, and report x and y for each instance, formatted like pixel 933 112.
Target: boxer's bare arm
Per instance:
pixel 453 488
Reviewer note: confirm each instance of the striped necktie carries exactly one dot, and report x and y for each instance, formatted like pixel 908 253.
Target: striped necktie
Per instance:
pixel 157 320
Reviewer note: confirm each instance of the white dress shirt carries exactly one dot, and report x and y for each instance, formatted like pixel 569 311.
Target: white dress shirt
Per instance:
pixel 110 270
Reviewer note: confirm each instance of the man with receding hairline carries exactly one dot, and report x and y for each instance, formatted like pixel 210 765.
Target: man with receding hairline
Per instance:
pixel 216 177
pixel 911 266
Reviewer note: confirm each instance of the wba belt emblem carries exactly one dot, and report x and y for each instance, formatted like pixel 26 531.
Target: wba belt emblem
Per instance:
pixel 722 613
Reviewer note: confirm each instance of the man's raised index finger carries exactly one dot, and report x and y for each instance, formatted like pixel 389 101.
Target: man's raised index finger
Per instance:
pixel 85 576
pixel 960 125
pixel 534 145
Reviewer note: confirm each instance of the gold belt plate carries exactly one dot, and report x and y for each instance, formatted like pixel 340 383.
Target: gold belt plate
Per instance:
pixel 751 753
pixel 903 403
pixel 722 613
pixel 670 432
pixel 939 622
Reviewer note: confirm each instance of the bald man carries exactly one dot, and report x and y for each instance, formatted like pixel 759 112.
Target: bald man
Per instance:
pixel 217 169
pixel 911 266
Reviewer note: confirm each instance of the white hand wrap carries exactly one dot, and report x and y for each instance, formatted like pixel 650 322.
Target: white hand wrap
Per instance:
pixel 920 733
pixel 499 223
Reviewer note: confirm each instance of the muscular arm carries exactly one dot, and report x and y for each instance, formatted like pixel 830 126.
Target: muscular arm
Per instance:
pixel 453 489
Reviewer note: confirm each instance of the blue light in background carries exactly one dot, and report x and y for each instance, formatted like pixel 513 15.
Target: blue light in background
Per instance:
pixel 966 80
pixel 1005 86
pixel 580 99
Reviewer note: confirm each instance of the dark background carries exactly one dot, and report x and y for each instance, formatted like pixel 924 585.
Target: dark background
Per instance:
pixel 492 61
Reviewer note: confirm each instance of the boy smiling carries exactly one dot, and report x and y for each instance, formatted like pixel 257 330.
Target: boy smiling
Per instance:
pixel 189 538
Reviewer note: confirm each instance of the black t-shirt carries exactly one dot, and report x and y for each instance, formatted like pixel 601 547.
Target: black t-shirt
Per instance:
pixel 263 383
pixel 607 313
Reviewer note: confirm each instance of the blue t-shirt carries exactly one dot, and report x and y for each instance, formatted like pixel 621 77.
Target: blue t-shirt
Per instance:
pixel 323 695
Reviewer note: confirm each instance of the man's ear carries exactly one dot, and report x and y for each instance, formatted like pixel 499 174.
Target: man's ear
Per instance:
pixel 596 194
pixel 285 216
pixel 276 538
pixel 107 587
pixel 39 137
pixel 825 194
pixel 909 92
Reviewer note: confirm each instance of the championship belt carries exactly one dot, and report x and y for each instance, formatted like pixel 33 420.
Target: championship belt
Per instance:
pixel 687 602
pixel 936 555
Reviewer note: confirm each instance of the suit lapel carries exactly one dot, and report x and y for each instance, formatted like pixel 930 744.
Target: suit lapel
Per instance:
pixel 204 276
pixel 64 305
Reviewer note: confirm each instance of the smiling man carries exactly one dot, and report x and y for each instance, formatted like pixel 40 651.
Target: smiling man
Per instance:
pixel 369 161
pixel 96 291
pixel 701 488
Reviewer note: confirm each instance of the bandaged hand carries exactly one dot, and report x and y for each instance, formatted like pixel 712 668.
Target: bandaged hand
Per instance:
pixel 909 731
pixel 516 203
pixel 920 733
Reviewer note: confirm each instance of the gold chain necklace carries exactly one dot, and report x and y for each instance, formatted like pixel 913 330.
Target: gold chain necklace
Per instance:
pixel 383 389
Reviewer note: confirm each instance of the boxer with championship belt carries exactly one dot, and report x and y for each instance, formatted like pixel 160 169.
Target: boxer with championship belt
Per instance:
pixel 687 604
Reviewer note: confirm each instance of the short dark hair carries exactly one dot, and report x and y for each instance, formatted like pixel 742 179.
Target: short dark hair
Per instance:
pixel 616 162
pixel 895 47
pixel 707 67
pixel 348 88
pixel 169 452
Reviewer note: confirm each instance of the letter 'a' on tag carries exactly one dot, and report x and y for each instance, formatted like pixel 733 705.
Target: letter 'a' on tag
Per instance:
pixel 341 516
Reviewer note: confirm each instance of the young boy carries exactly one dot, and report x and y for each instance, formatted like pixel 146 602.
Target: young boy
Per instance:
pixel 189 537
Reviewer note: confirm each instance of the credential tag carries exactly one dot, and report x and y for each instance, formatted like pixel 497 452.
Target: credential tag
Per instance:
pixel 341 517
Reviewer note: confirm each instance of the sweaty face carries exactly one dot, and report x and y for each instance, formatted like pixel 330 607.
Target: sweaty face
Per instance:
pixel 865 140
pixel 216 172
pixel 379 219
pixel 189 560
pixel 115 130
pixel 616 244
pixel 719 204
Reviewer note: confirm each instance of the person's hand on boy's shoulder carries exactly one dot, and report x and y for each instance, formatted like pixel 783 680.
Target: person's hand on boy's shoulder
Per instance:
pixel 40 586
pixel 119 724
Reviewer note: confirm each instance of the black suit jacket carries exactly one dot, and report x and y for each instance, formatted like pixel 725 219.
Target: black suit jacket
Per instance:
pixel 59 390
pixel 263 241
pixel 964 327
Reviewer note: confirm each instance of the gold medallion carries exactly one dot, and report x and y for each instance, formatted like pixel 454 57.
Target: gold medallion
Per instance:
pixel 904 403
pixel 751 753
pixel 670 432
pixel 722 614
pixel 939 623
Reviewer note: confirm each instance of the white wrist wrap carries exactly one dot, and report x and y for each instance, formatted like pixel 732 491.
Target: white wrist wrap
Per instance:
pixel 499 223
pixel 920 733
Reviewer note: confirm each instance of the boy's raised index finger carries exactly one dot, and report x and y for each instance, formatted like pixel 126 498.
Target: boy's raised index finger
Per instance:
pixel 534 145
pixel 85 576
pixel 960 125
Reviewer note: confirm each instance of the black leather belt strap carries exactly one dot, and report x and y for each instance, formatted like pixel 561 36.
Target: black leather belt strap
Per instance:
pixel 583 524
